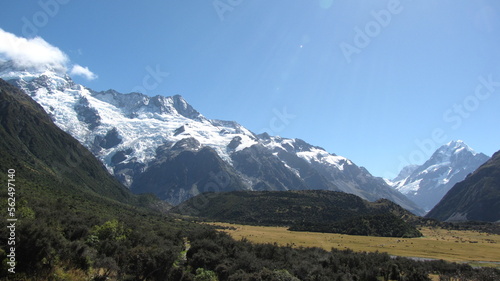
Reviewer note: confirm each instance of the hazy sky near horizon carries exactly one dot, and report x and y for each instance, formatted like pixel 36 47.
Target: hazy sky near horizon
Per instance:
pixel 383 83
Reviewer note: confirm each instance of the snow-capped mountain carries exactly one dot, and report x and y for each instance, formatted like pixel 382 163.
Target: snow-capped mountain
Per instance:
pixel 428 183
pixel 402 176
pixel 476 198
pixel 164 146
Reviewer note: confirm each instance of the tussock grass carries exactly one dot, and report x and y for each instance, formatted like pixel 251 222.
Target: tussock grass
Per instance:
pixel 437 243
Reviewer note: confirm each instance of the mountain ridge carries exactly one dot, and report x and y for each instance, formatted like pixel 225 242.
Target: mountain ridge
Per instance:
pixel 426 184
pixel 477 197
pixel 125 131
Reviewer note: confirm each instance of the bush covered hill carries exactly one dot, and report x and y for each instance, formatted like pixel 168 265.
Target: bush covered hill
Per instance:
pixel 305 210
pixel 477 198
pixel 42 153
pixel 75 222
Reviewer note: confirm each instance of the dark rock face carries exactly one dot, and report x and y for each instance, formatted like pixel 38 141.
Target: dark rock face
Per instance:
pixel 121 156
pixel 179 130
pixel 311 176
pixel 235 142
pixel 125 172
pixel 475 198
pixel 266 171
pixel 183 170
pixel 184 108
pixel 187 144
pixel 87 114
pixel 111 139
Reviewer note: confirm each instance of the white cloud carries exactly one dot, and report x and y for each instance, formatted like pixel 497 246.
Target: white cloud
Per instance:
pixel 31 53
pixel 83 71
pixel 37 54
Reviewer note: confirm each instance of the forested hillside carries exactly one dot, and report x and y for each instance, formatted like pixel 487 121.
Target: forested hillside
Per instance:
pixel 306 210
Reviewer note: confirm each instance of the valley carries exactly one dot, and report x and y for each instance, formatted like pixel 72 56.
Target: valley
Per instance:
pixel 478 249
pixel 119 175
pixel 76 203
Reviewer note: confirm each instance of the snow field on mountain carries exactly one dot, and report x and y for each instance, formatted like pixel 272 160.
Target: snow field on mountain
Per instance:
pixel 322 156
pixel 147 131
pixel 144 132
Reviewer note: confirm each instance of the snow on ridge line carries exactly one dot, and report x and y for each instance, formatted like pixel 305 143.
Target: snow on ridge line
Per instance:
pixel 458 146
pixel 323 156
pixel 144 131
pixel 134 132
pixel 311 154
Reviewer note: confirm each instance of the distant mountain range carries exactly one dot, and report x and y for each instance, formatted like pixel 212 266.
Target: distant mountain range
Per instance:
pixel 428 183
pixel 162 145
pixel 476 198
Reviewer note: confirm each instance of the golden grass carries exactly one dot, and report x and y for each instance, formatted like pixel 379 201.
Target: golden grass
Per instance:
pixel 450 245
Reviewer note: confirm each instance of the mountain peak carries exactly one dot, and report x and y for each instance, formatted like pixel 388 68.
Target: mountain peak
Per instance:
pixel 13 70
pixel 456 142
pixel 178 97
pixel 452 150
pixel 405 172
pixel 449 164
pixel 10 70
pixel 184 108
pixel 138 104
pixel 456 147
pixel 474 198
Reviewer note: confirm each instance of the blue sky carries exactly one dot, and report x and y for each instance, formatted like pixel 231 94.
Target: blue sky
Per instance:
pixel 383 82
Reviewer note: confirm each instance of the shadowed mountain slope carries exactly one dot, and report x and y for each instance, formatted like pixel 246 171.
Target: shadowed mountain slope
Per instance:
pixel 475 198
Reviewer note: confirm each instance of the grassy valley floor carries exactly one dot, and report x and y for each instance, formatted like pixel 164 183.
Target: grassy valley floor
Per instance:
pixel 478 249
